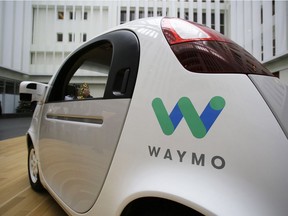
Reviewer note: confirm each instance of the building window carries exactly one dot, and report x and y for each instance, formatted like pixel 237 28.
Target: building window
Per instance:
pixel 195 17
pixel 261 15
pixel 213 20
pixel 60 15
pixel 1 86
pixel 9 88
pixel 71 37
pixel 222 23
pixel 150 13
pixel 123 17
pixel 85 15
pixel 32 57
pixel 59 37
pixel 132 15
pixel 274 47
pixel 84 37
pixel 204 18
pixel 186 16
pixel 141 14
pixel 262 52
pixel 71 15
pixel 221 1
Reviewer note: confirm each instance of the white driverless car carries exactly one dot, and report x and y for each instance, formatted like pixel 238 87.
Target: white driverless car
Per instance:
pixel 161 116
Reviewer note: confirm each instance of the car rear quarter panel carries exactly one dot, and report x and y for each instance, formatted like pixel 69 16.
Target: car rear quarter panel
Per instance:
pixel 238 168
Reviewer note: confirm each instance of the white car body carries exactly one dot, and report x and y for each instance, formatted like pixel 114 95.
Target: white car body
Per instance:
pixel 95 157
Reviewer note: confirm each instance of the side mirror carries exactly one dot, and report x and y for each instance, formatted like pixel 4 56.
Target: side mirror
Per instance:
pixel 32 91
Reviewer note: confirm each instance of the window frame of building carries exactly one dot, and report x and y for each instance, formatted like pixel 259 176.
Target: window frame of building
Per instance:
pixel 10 87
pixel 71 15
pixel 150 12
pixel 85 15
pixel 213 21
pixel 274 47
pixel 60 15
pixel 123 16
pixel 132 15
pixel 71 37
pixel 59 37
pixel 141 14
pixel 195 16
pixel 84 37
pixel 2 85
pixel 261 14
pixel 222 23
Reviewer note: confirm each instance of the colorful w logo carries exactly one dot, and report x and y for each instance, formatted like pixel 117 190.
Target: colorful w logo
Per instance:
pixel 199 125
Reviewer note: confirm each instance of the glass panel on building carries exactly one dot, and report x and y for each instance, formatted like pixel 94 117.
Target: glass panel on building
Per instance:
pixel 59 37
pixel 222 23
pixel 132 15
pixel 60 15
pixel 1 86
pixel 71 37
pixel 150 13
pixel 123 17
pixel 84 37
pixel 71 16
pixel 9 88
pixel 141 14
pixel 85 15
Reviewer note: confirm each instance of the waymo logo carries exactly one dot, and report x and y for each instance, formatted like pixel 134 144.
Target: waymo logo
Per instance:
pixel 198 125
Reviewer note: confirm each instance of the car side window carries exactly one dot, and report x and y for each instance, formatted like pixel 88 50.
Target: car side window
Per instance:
pixel 103 68
pixel 90 78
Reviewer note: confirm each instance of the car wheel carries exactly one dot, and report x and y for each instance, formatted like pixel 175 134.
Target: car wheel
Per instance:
pixel 33 171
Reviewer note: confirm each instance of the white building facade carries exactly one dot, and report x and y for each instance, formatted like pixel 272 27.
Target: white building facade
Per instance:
pixel 36 36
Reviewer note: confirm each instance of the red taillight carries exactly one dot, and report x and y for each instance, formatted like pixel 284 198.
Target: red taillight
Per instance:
pixel 180 31
pixel 204 50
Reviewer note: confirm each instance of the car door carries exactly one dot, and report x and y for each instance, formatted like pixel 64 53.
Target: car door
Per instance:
pixel 79 134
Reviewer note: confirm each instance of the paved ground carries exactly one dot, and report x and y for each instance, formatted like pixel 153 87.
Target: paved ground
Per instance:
pixel 16 196
pixel 13 127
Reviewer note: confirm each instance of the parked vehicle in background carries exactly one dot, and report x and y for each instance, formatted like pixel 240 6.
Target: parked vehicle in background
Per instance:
pixel 187 123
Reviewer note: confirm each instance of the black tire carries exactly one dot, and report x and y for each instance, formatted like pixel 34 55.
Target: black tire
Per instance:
pixel 33 171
